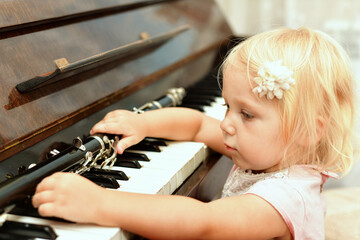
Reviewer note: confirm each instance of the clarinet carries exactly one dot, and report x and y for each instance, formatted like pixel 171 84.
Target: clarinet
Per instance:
pixel 79 158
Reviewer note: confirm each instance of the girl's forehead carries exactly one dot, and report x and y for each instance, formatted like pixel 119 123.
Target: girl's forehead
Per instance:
pixel 237 74
pixel 236 81
pixel 239 83
pixel 238 68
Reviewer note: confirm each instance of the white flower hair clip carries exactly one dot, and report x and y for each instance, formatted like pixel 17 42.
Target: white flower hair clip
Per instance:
pixel 273 79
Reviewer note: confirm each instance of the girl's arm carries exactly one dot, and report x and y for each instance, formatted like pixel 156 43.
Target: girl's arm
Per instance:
pixel 158 216
pixel 169 123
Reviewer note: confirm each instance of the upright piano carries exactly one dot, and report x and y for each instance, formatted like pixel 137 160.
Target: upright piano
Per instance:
pixel 65 64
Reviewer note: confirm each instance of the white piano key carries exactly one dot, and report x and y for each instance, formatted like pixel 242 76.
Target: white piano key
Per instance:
pixel 217 109
pixel 145 180
pixel 167 169
pixel 220 101
pixel 201 156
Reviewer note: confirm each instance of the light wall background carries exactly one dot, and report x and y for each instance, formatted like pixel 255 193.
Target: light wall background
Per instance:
pixel 339 18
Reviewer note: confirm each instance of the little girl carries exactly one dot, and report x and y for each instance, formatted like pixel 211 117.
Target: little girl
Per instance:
pixel 289 98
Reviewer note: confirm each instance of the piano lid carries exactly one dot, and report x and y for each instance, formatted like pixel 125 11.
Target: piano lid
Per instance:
pixel 64 60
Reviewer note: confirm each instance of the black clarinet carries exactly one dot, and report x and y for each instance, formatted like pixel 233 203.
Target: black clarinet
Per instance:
pixel 79 158
pixel 173 98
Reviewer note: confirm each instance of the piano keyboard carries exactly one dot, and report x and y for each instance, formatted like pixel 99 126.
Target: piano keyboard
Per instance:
pixel 167 169
pixel 163 174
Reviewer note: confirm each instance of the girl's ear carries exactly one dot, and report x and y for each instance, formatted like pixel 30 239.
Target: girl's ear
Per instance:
pixel 320 129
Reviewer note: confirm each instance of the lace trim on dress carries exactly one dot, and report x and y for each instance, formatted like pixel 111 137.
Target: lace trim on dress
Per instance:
pixel 240 180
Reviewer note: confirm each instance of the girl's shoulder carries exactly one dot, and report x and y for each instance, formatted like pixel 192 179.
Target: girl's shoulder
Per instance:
pixel 310 173
pixel 298 177
pixel 296 194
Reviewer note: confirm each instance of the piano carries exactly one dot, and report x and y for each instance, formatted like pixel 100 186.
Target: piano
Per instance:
pixel 65 64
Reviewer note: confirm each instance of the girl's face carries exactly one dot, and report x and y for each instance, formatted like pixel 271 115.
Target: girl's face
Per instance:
pixel 252 126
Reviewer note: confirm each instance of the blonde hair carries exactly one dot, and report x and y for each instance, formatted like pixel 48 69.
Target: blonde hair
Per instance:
pixel 318 111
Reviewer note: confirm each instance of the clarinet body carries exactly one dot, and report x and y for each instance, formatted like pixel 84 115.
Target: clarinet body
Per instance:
pixel 173 98
pixel 79 158
pixel 19 187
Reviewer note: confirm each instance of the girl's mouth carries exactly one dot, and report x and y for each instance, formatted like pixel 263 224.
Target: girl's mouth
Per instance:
pixel 229 148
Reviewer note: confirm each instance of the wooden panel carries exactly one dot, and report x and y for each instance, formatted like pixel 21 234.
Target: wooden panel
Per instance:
pixel 25 13
pixel 28 118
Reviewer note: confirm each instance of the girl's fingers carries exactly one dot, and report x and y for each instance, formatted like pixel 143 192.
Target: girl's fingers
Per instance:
pixel 100 127
pixel 46 184
pixel 126 142
pixel 42 197
pixel 115 122
pixel 48 210
pixel 108 127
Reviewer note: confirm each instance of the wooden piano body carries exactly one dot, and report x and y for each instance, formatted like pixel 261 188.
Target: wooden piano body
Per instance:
pixel 65 64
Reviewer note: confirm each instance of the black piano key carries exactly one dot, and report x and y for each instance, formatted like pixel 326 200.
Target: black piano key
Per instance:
pixel 212 84
pixel 25 208
pixel 127 163
pixel 156 141
pixel 207 97
pixel 194 106
pixel 145 146
pixel 19 230
pixel 202 91
pixel 207 84
pixel 209 81
pixel 197 101
pixel 134 156
pixel 30 211
pixel 119 175
pixel 106 182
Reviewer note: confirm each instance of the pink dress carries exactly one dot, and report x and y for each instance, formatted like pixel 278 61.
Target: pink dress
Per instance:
pixel 294 192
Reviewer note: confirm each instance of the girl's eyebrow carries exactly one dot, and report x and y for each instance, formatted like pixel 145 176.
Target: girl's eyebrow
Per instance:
pixel 248 104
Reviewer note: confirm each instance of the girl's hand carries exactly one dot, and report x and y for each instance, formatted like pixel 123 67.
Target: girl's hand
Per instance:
pixel 68 196
pixel 125 123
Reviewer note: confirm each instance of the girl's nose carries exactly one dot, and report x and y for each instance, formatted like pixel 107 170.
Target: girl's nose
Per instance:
pixel 226 126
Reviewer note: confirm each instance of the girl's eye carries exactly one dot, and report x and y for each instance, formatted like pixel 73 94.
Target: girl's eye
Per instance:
pixel 247 115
